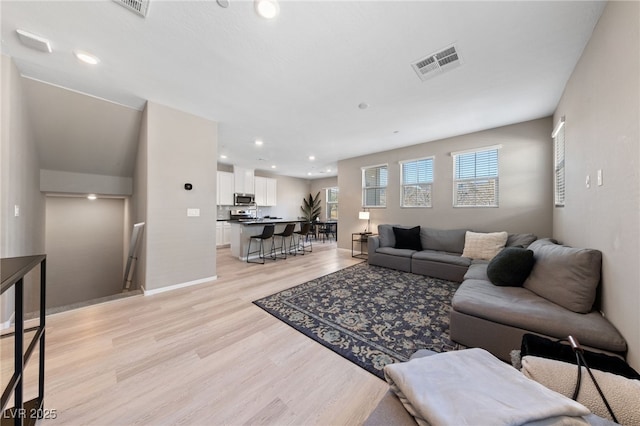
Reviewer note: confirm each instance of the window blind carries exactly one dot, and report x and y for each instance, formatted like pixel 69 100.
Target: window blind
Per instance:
pixel 476 178
pixel 332 203
pixel 374 186
pixel 559 180
pixel 417 181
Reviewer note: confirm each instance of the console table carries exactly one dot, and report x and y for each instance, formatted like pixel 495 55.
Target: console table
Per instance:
pixel 13 271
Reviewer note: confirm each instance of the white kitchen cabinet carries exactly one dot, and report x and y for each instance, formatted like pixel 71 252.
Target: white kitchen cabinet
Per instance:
pixel 223 233
pixel 225 189
pixel 272 192
pixel 266 191
pixel 243 180
pixel 260 184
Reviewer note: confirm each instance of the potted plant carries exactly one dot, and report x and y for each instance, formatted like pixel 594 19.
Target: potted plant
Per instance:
pixel 311 208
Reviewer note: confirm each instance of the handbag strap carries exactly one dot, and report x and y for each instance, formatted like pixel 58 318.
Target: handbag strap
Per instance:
pixel 575 345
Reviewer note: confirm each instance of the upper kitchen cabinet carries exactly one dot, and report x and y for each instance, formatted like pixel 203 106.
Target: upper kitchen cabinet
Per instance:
pixel 243 180
pixel 225 189
pixel 266 191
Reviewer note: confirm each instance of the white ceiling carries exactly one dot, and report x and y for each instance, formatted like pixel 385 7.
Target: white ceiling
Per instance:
pixel 296 81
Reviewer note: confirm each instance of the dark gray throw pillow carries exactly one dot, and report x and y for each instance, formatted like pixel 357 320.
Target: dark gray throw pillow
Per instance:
pixel 510 267
pixel 407 238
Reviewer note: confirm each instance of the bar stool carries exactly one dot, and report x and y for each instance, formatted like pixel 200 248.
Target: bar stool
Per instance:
pixel 287 233
pixel 267 233
pixel 303 235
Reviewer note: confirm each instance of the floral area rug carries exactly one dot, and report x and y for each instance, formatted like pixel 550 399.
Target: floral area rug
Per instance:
pixel 370 315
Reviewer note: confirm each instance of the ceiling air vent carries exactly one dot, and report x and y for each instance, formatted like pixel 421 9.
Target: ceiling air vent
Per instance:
pixel 437 63
pixel 141 7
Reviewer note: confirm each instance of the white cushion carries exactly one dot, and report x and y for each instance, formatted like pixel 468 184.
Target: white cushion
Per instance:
pixel 483 245
pixel 622 394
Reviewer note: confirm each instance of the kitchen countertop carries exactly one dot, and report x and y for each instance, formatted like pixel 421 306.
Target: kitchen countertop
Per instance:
pixel 266 221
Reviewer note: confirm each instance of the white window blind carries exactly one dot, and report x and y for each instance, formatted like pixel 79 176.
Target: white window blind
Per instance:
pixel 558 147
pixel 374 186
pixel 417 182
pixel 332 203
pixel 476 178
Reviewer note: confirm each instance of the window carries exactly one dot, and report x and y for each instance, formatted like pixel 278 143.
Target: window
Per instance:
pixel 475 180
pixel 332 203
pixel 374 186
pixel 417 179
pixel 558 148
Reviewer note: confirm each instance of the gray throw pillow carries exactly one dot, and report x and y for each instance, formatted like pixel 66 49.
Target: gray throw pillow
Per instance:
pixel 564 275
pixel 510 267
pixel 387 238
pixel 520 240
pixel 407 238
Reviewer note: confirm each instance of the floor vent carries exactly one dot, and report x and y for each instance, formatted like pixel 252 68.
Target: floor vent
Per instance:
pixel 141 7
pixel 437 63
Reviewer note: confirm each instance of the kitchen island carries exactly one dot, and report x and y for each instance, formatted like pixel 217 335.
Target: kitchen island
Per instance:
pixel 241 230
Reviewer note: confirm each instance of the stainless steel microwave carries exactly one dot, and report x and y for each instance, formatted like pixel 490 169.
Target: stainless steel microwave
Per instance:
pixel 243 199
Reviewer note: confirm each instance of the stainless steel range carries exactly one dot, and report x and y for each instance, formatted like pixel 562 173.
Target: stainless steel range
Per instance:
pixel 243 214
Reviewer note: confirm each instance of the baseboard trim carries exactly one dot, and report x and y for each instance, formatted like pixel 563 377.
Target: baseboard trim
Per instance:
pixel 177 286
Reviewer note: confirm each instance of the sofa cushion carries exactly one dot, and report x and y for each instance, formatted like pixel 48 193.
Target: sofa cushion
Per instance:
pixel 510 267
pixel 479 245
pixel 449 240
pixel 407 238
pixel 477 271
pixel 441 256
pixel 565 275
pixel 520 240
pixel 395 252
pixel 521 308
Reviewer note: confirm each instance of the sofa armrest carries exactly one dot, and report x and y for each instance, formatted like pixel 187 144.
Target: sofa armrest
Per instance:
pixel 373 243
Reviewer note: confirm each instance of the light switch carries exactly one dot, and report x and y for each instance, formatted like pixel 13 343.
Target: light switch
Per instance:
pixel 587 182
pixel 16 210
pixel 599 177
pixel 193 212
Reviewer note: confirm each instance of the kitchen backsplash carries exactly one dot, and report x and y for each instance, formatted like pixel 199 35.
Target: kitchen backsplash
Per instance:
pixel 225 211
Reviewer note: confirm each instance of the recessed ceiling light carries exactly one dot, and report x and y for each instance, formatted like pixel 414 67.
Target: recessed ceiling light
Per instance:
pixel 258 142
pixel 87 58
pixel 363 105
pixel 311 158
pixel 328 170
pixel 223 3
pixel 92 197
pixel 273 166
pixel 396 131
pixel 268 9
pixel 223 156
pixel 309 174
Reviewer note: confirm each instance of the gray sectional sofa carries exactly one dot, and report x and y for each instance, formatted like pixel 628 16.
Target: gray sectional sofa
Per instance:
pixel 557 299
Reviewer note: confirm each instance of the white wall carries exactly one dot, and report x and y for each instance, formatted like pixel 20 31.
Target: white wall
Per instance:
pixel 20 174
pixel 84 249
pixel 179 148
pixel 525 167
pixel 138 210
pixel 52 181
pixel 601 105
pixel 291 192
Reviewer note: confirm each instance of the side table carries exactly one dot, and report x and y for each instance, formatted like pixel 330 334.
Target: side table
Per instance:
pixel 359 241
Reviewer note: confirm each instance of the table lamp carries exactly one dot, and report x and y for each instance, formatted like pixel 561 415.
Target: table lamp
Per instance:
pixel 365 216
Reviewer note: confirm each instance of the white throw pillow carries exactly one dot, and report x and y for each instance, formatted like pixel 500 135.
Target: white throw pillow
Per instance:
pixel 484 246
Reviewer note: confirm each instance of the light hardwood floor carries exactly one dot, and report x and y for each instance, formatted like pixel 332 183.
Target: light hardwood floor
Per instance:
pixel 204 355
